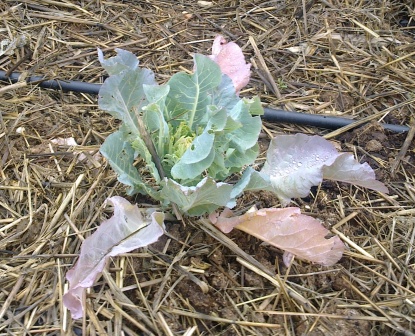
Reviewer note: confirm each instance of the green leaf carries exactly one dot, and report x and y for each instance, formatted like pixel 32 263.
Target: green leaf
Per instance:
pixel 124 60
pixel 255 106
pixel 238 159
pixel 217 118
pixel 217 169
pixel 191 94
pixel 224 95
pixel 122 94
pixel 120 155
pixel 156 94
pixel 139 145
pixel 250 180
pixel 198 124
pixel 205 197
pixel 153 116
pixel 246 136
pixel 197 158
pixel 220 121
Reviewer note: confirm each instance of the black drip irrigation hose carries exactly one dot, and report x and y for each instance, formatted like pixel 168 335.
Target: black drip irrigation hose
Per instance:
pixel 272 115
pixel 55 84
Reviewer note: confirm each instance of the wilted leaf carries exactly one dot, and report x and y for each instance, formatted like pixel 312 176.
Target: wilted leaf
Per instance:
pixel 287 229
pixel 295 163
pixel 229 56
pixel 126 230
pixel 347 169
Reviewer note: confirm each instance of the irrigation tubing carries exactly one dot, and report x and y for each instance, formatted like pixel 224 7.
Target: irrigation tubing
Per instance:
pixel 272 115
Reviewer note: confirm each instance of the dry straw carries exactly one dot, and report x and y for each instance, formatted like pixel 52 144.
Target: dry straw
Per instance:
pixel 340 58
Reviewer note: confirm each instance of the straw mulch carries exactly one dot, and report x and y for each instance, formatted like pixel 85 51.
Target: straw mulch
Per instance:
pixel 348 58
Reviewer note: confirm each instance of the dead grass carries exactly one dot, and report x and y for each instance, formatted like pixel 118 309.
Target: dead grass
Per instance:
pixel 349 58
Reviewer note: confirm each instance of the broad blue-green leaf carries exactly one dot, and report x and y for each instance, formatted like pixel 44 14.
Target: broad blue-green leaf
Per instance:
pixel 142 151
pixel 120 155
pixel 217 169
pixel 157 127
pixel 246 136
pixel 153 116
pixel 238 159
pixel 191 94
pixel 154 120
pixel 224 95
pixel 205 197
pixel 156 94
pixel 197 158
pixel 217 117
pixel 255 106
pixel 250 180
pixel 219 120
pixel 122 95
pixel 124 60
pixel 197 122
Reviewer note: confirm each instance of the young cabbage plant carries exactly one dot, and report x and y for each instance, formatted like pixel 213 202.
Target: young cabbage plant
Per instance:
pixel 192 132
pixel 191 135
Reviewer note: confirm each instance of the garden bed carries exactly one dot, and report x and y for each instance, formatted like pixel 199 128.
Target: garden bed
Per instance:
pixel 347 59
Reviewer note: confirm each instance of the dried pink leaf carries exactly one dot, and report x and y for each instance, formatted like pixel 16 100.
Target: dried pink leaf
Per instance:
pixel 287 229
pixel 126 230
pixel 231 60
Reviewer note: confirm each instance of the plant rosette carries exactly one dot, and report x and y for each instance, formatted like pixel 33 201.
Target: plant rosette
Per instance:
pixel 191 135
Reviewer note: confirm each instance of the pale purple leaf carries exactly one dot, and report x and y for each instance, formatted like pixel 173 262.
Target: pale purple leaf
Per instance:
pixel 294 164
pixel 297 162
pixel 289 230
pixel 347 169
pixel 231 60
pixel 126 230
